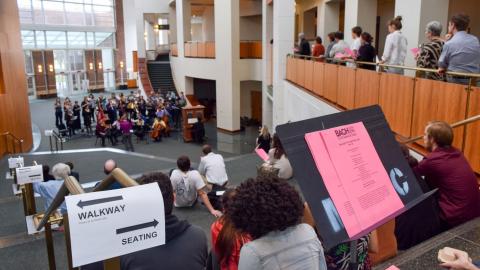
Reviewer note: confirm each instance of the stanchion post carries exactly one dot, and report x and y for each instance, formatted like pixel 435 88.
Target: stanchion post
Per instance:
pixel 67 242
pixel 28 198
pixel 50 249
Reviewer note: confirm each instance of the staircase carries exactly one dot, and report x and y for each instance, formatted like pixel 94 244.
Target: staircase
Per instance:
pixel 160 74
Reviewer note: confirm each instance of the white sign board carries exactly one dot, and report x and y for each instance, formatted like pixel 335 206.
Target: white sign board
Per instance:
pixel 15 162
pixel 112 223
pixel 29 174
pixel 48 132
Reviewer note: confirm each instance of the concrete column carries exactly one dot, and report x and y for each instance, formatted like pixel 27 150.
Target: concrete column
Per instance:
pixel 186 18
pixel 208 26
pixel 416 14
pixel 283 42
pixel 172 21
pixel 130 28
pixel 152 37
pixel 267 35
pixel 327 19
pixel 362 13
pixel 180 28
pixel 227 54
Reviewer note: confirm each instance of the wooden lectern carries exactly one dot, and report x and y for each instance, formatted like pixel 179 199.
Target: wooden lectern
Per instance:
pixel 189 117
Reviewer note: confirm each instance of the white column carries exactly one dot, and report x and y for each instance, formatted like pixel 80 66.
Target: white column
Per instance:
pixel 180 28
pixel 283 42
pixel 130 28
pixel 267 34
pixel 172 21
pixel 187 17
pixel 227 54
pixel 208 26
pixel 327 19
pixel 360 13
pixel 416 14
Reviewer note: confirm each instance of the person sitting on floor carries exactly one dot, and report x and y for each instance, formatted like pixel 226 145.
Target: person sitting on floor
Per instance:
pixel 270 210
pixel 278 159
pixel 198 131
pixel 186 245
pixel 212 167
pixel 188 185
pixel 447 169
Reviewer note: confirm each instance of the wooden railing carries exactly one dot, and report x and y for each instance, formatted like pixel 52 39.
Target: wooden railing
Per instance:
pixel 174 49
pixel 408 103
pixel 195 49
pixel 251 49
pixel 10 144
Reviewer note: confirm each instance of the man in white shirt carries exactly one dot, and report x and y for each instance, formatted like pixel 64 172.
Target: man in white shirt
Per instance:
pixel 188 185
pixel 357 43
pixel 212 167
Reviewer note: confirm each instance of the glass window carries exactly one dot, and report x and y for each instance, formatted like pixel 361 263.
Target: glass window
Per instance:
pixel 76 40
pixel 88 14
pixel 38 12
pixel 90 40
pixel 56 39
pixel 28 62
pixel 103 2
pixel 76 60
pixel 54 12
pixel 103 16
pixel 25 11
pixel 59 60
pixel 74 14
pixel 40 35
pixel 104 40
pixel 28 39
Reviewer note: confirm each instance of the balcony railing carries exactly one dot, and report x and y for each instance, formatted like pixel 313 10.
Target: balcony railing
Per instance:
pixel 408 103
pixel 174 49
pixel 195 49
pixel 251 49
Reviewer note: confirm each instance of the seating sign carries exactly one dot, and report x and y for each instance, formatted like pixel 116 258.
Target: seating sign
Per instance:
pixel 29 174
pixel 112 223
pixel 15 162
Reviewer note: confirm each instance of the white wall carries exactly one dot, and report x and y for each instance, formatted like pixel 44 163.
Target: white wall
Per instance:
pixel 299 105
pixel 208 27
pixel 197 31
pixel 246 89
pixel 251 27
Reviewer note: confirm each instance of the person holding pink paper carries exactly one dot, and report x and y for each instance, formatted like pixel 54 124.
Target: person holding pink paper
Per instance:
pixel 278 159
pixel 340 45
pixel 430 51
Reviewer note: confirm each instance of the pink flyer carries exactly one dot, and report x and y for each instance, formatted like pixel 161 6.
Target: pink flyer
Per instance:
pixel 261 153
pixel 354 176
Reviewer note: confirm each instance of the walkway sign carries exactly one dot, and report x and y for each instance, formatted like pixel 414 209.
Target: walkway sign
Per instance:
pixel 112 223
pixel 29 174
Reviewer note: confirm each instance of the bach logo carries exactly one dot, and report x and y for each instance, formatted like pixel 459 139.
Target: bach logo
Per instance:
pixel 344 132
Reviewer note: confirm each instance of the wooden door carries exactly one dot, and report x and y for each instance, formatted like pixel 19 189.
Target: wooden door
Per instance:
pixel 39 70
pixel 256 98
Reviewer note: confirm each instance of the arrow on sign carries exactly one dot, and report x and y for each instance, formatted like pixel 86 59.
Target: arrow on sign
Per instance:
pixel 81 203
pixel 153 224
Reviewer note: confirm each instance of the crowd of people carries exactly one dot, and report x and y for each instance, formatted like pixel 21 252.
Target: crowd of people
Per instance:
pixel 121 116
pixel 457 51
pixel 263 223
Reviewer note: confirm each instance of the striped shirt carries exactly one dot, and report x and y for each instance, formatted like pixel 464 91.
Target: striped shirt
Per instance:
pixel 429 56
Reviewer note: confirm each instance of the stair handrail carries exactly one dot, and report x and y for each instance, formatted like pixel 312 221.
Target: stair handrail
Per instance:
pixel 16 140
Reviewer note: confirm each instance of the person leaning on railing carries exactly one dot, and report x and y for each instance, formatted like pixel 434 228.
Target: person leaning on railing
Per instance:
pixel 431 50
pixel 366 52
pixel 395 49
pixel 461 53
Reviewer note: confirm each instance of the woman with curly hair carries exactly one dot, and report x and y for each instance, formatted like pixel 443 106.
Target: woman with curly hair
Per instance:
pixel 271 211
pixel 226 239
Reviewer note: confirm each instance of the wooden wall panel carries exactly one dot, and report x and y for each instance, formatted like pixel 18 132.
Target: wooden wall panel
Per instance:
pixel 201 49
pixel 367 85
pixel 309 75
pixel 51 85
pixel 135 61
pixel 244 49
pixel 40 80
pixel 472 140
pixel 346 87
pixel 436 100
pixel 99 69
pixel 318 78
pixel 193 49
pixel 210 49
pixel 396 100
pixel 300 64
pixel 330 82
pixel 90 65
pixel 174 49
pixel 14 105
pixel 289 68
pixel 257 50
pixel 188 50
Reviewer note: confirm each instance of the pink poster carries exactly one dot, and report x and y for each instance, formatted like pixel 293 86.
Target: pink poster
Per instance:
pixel 354 176
pixel 261 153
pixel 393 267
pixel 415 51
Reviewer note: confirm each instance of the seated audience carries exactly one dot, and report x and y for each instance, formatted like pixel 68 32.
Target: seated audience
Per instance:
pixel 212 167
pixel 226 240
pixel 339 257
pixel 46 173
pixel 73 173
pixel 408 230
pixel 186 244
pixel 278 159
pixel 264 139
pixel 48 190
pixel 188 185
pixel 430 51
pixel 318 49
pixel 270 211
pixel 447 169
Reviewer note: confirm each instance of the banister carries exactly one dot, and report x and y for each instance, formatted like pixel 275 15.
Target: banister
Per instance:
pixel 454 125
pixel 473 75
pixel 16 140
